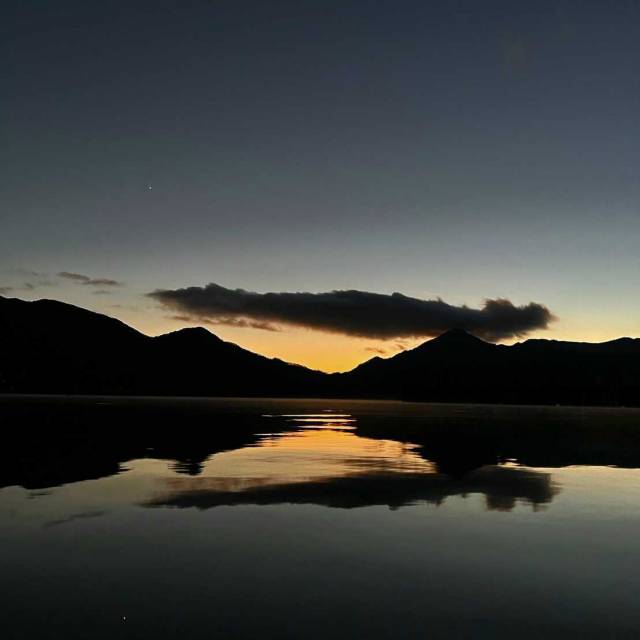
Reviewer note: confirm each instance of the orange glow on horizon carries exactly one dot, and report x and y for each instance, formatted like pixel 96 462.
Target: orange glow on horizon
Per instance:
pixel 332 352
pixel 329 352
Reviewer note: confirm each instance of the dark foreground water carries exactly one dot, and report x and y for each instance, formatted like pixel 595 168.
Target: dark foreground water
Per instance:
pixel 123 518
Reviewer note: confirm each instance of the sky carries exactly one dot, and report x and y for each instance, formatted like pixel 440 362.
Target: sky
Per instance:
pixel 453 151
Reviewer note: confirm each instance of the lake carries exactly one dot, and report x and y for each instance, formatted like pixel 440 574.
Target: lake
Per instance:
pixel 165 518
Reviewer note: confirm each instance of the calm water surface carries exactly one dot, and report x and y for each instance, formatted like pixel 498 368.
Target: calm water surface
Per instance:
pixel 317 519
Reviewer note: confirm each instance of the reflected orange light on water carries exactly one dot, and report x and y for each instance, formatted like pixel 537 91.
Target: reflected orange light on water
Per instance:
pixel 324 446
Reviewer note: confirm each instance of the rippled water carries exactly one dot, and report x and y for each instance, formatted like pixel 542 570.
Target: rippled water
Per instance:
pixel 317 519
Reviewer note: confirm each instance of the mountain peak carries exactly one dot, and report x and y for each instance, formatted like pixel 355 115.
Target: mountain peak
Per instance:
pixel 191 333
pixel 458 337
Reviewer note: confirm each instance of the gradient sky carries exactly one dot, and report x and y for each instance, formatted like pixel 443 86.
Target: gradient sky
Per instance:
pixel 465 150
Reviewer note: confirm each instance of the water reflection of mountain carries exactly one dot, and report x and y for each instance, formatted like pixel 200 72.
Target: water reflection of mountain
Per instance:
pixel 52 441
pixel 466 437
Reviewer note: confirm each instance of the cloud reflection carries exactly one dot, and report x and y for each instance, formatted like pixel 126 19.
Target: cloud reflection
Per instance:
pixel 503 488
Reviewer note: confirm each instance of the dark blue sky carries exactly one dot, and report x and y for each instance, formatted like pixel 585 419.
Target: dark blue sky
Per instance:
pixel 456 149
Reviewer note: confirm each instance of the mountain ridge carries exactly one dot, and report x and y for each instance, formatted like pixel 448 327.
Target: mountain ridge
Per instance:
pixel 47 346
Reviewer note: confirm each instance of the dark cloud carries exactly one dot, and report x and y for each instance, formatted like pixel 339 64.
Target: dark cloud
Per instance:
pixel 82 279
pixel 30 286
pixel 102 292
pixel 380 352
pixel 4 290
pixel 35 279
pixel 78 277
pixel 356 313
pixel 245 324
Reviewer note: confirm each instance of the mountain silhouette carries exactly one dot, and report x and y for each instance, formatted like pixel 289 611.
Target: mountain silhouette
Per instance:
pixel 459 367
pixel 53 347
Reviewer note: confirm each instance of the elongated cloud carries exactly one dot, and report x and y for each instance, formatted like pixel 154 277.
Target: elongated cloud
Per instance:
pixel 357 313
pixel 229 322
pixel 82 279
